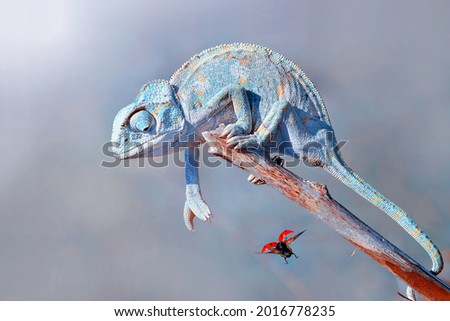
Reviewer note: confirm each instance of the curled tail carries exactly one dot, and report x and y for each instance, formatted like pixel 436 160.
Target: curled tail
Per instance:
pixel 339 169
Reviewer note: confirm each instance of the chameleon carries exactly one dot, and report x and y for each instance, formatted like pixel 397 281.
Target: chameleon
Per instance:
pixel 263 99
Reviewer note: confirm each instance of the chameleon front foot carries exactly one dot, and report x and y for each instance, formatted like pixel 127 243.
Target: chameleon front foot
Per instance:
pixel 195 206
pixel 192 210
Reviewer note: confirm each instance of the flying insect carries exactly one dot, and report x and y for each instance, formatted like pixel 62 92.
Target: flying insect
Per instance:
pixel 282 247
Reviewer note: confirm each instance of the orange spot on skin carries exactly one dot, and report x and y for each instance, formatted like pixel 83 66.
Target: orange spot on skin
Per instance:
pixel 262 130
pixel 202 79
pixel 400 214
pixel 305 119
pixel 244 61
pixel 178 120
pixel 157 109
pixel 415 233
pixel 280 90
pixel 242 80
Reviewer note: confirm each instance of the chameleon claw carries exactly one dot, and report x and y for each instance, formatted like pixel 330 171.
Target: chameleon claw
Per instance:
pixel 232 130
pixel 255 180
pixel 188 217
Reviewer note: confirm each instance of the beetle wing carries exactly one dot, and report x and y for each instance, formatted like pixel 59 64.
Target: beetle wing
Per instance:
pixel 274 251
pixel 269 247
pixel 293 238
pixel 283 234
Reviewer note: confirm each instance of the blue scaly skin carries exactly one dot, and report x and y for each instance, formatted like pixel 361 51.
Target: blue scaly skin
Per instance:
pixel 261 97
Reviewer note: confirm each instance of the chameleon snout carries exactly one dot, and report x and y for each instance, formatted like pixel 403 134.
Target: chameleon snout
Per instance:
pixel 117 149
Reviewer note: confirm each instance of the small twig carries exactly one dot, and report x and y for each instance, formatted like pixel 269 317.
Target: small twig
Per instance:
pixel 316 199
pixel 404 296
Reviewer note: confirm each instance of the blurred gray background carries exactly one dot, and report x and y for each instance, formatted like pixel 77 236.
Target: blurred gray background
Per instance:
pixel 73 230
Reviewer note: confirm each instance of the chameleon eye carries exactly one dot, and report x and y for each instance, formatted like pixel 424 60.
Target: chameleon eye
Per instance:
pixel 141 121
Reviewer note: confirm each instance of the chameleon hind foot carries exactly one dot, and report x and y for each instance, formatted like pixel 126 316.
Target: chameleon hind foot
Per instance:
pixel 258 181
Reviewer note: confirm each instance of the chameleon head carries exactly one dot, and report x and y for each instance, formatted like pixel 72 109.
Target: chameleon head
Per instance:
pixel 149 125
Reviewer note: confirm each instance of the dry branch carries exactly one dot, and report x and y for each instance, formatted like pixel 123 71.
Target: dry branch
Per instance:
pixel 316 199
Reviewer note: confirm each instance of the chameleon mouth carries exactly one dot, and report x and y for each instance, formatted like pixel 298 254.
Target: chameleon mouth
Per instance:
pixel 134 152
pixel 152 148
pixel 149 149
pixel 116 151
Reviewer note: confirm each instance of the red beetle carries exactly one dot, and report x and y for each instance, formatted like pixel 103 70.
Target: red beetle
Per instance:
pixel 282 247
